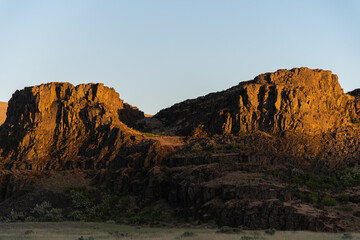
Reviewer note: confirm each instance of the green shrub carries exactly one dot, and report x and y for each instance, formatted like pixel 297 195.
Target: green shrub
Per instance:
pixel 347 236
pixel 347 178
pixel 320 181
pixel 279 174
pixel 145 216
pixel 89 238
pixel 350 177
pixel 77 215
pixel 313 198
pixel 343 197
pixel 196 148
pixel 270 231
pixel 14 216
pixel 93 205
pixel 188 234
pixel 249 237
pixel 295 172
pixel 227 229
pixel 124 205
pixel 347 208
pixel 45 213
pixel 299 177
pixel 30 219
pixel 234 148
pixel 210 146
pixel 300 195
pixel 103 210
pixel 27 232
pixel 329 201
pixel 83 198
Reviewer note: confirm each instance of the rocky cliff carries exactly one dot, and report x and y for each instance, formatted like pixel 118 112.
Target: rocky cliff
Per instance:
pixel 275 152
pixel 61 126
pixel 301 100
pixel 3 108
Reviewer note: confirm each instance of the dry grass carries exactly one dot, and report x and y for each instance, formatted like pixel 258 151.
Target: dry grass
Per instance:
pixel 169 140
pixel 109 231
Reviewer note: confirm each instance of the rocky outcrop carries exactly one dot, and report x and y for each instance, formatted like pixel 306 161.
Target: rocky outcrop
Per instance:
pixel 223 173
pixel 61 126
pixel 300 100
pixel 230 195
pixel 3 108
pixel 356 94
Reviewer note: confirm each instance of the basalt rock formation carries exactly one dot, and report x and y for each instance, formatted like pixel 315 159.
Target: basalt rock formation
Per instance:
pixel 313 121
pixel 262 154
pixel 3 108
pixel 60 126
pixel 300 100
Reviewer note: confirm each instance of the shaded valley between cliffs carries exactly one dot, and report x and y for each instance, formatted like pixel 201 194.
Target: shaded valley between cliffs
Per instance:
pixel 279 151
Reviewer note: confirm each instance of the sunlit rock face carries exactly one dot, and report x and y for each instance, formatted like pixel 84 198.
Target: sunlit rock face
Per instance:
pixel 58 125
pixel 301 100
pixel 3 108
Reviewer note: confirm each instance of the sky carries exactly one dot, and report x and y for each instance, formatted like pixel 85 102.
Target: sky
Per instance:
pixel 156 53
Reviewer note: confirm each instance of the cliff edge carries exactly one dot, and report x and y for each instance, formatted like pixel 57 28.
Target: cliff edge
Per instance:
pixel 300 100
pixel 3 108
pixel 61 126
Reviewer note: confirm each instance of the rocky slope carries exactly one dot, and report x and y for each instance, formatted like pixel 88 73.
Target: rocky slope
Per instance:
pixel 301 100
pixel 60 126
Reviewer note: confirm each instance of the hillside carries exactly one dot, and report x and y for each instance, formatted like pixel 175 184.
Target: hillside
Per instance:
pixel 300 100
pixel 279 151
pixel 313 121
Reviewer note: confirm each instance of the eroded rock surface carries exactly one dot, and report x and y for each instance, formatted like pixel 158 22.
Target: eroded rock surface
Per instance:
pixel 58 125
pixel 3 108
pixel 231 169
pixel 301 100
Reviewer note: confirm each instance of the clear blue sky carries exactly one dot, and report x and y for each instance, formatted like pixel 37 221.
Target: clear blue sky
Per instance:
pixel 159 52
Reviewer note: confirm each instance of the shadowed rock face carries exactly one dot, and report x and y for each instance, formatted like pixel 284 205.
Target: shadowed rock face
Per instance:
pixel 58 125
pixel 300 100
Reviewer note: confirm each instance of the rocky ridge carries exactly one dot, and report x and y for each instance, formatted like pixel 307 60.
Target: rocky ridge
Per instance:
pixel 233 166
pixel 61 126
pixel 300 100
